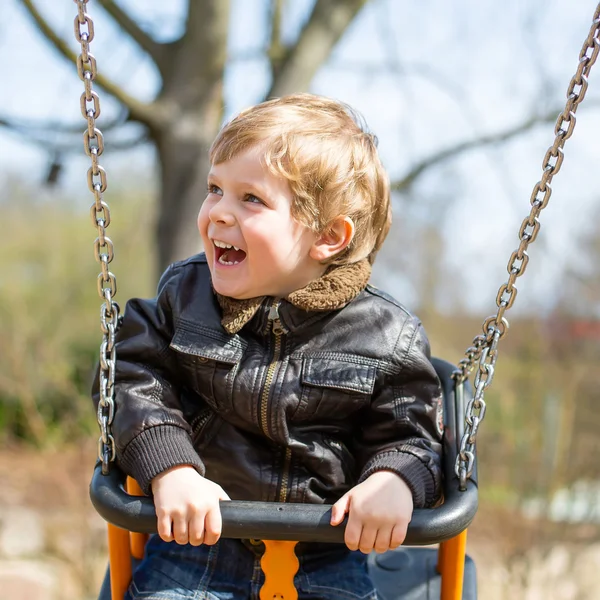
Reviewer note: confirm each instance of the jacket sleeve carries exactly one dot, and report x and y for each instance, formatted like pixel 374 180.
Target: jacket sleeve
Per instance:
pixel 400 432
pixel 150 431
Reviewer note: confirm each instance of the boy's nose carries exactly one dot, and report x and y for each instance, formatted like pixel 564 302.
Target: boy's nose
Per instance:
pixel 221 213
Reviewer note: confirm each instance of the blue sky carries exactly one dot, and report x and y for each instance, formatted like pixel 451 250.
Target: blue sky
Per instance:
pixel 425 75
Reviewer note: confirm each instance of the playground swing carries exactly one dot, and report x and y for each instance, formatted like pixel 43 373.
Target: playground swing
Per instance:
pixel 413 573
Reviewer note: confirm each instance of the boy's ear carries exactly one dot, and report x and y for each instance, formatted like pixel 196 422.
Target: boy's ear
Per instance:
pixel 332 241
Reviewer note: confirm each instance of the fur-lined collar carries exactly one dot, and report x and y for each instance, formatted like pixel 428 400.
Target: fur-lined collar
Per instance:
pixel 338 286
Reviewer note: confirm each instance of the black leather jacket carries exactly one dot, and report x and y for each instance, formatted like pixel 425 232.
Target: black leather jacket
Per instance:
pixel 297 406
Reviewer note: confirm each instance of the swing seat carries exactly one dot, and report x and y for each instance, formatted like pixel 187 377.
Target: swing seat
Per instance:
pixel 412 574
pixel 408 573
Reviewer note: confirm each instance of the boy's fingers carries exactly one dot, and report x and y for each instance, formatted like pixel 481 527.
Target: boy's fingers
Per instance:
pixel 353 533
pixel 196 529
pixel 367 539
pixel 339 509
pixel 164 528
pixel 180 529
pixel 383 540
pixel 212 526
pixel 398 535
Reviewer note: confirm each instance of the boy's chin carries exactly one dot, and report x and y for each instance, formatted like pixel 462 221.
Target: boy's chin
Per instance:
pixel 230 291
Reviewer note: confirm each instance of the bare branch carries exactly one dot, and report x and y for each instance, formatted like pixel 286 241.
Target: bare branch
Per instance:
pixel 38 134
pixel 55 127
pixel 157 51
pixel 139 111
pixel 328 21
pixel 276 20
pixel 206 32
pixel 550 117
pixel 196 74
pixel 276 51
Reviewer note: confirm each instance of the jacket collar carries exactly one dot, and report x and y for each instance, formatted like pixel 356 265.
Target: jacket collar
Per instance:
pixel 339 285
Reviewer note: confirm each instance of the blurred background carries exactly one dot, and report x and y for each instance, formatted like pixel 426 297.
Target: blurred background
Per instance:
pixel 463 97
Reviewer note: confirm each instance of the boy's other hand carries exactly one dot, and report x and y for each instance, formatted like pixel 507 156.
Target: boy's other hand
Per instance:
pixel 187 506
pixel 380 509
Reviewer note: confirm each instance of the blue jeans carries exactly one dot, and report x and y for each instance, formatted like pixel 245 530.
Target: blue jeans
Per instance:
pixel 230 570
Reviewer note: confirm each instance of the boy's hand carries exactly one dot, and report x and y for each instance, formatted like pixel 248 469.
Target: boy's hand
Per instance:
pixel 187 506
pixel 380 509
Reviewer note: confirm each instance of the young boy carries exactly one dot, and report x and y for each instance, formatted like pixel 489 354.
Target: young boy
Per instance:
pixel 268 369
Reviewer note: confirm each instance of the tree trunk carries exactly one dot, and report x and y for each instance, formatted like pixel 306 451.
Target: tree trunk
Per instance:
pixel 183 157
pixel 183 185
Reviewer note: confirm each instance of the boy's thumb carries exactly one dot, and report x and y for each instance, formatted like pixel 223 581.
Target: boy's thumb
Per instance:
pixel 339 509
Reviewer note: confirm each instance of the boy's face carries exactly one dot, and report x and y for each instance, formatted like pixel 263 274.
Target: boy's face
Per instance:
pixel 248 208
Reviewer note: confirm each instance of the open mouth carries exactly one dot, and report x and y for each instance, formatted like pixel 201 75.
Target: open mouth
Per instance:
pixel 228 255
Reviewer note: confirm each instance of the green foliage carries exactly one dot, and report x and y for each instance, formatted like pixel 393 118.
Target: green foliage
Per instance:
pixel 49 306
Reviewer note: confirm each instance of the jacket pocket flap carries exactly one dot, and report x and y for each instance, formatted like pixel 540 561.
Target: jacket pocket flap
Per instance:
pixel 338 374
pixel 213 347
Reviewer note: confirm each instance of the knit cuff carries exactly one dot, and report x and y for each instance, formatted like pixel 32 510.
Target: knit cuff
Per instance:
pixel 417 476
pixel 157 449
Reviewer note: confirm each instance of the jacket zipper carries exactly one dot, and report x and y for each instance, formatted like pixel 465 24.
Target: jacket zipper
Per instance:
pixel 278 330
pixel 283 491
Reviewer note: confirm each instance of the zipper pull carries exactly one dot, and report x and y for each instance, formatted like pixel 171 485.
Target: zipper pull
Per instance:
pixel 274 312
pixel 276 325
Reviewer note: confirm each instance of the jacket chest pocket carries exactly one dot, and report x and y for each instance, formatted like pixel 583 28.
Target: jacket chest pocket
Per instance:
pixel 334 388
pixel 209 364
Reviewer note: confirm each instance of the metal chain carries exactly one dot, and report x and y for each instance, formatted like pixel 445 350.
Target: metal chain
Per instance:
pixel 93 143
pixel 485 347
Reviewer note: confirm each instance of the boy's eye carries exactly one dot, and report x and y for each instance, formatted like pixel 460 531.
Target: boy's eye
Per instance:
pixel 214 189
pixel 253 199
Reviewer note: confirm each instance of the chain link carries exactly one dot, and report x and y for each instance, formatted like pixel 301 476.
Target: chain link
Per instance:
pixel 485 347
pixel 93 144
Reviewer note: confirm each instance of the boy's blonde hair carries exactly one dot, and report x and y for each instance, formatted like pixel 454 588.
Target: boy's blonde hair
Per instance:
pixel 329 159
